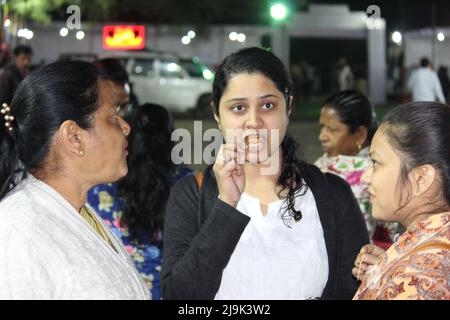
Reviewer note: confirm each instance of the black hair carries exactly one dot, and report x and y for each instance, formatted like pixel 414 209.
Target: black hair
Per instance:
pixel 256 60
pixel 420 131
pixel 113 70
pixel 21 49
pixel 146 187
pixel 354 110
pixel 424 62
pixel 43 101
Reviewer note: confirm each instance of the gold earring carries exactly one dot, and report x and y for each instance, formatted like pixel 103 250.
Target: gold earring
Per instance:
pixel 81 152
pixel 359 146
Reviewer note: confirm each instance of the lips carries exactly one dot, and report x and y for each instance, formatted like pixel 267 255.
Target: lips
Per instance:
pixel 371 195
pixel 326 149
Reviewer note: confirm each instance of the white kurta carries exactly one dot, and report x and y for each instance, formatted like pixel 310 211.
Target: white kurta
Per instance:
pixel 48 251
pixel 272 261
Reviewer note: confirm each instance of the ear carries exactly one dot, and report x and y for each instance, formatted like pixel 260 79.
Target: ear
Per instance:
pixel 71 138
pixel 422 179
pixel 361 135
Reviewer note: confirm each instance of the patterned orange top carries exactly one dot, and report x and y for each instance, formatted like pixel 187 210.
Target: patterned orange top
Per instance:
pixel 416 267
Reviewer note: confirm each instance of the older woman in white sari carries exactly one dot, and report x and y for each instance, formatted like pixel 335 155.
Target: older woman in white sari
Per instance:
pixel 61 136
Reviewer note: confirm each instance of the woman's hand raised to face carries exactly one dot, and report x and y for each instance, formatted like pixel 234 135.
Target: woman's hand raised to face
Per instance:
pixel 369 255
pixel 229 172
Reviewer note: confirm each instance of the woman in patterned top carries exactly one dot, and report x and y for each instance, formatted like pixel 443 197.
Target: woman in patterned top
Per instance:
pixel 134 208
pixel 347 125
pixel 409 182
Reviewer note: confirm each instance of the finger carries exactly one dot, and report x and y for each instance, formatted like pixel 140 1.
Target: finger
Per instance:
pixel 370 259
pixel 239 170
pixel 225 154
pixel 236 153
pixel 373 249
pixel 377 251
pixel 355 273
pixel 358 274
pixel 227 169
pixel 365 249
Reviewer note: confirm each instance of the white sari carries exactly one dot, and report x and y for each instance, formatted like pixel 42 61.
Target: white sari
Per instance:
pixel 48 251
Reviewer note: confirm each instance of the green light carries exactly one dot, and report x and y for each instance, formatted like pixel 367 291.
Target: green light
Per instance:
pixel 207 74
pixel 278 11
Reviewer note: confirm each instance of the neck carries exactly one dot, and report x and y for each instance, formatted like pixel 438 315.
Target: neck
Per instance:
pixel 425 212
pixel 69 188
pixel 410 223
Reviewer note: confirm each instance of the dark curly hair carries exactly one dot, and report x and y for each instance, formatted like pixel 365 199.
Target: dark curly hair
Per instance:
pixel 257 60
pixel 146 187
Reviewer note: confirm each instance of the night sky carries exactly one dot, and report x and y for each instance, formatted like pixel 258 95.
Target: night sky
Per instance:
pixel 399 14
pixel 404 14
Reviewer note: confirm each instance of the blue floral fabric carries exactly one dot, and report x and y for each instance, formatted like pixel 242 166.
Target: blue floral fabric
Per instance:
pixel 146 254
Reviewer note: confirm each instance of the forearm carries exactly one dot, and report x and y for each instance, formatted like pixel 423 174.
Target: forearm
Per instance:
pixel 193 266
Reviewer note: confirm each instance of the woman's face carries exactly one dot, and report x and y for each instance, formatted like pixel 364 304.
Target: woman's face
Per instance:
pixel 106 143
pixel 335 135
pixel 253 111
pixel 382 178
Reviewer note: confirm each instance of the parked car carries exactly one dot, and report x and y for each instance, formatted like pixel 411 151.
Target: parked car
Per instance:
pixel 165 79
pixel 88 57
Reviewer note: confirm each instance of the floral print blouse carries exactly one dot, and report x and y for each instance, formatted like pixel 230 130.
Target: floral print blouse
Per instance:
pixel 351 168
pixel 146 254
pixel 416 267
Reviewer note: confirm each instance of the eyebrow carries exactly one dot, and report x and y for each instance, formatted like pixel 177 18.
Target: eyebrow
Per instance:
pixel 372 153
pixel 259 98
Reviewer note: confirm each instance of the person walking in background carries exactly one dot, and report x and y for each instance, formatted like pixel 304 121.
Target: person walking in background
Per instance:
pixel 346 80
pixel 14 73
pixel 134 207
pixel 444 80
pixel 424 83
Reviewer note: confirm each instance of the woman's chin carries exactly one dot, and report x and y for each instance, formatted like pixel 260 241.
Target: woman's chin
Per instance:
pixel 123 172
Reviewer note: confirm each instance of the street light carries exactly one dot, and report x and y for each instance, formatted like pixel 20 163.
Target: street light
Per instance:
pixel 191 34
pixel 278 11
pixel 280 43
pixel 241 37
pixel 233 36
pixel 80 35
pixel 63 32
pixel 397 37
pixel 185 40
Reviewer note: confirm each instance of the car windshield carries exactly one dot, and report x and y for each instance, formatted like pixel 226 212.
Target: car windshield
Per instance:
pixel 194 67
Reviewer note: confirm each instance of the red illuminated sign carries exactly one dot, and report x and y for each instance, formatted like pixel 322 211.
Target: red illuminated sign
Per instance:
pixel 127 37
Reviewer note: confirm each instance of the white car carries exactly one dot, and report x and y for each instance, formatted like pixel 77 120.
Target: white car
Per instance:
pixel 165 79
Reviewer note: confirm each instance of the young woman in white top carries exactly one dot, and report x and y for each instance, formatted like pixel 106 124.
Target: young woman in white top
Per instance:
pixel 262 224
